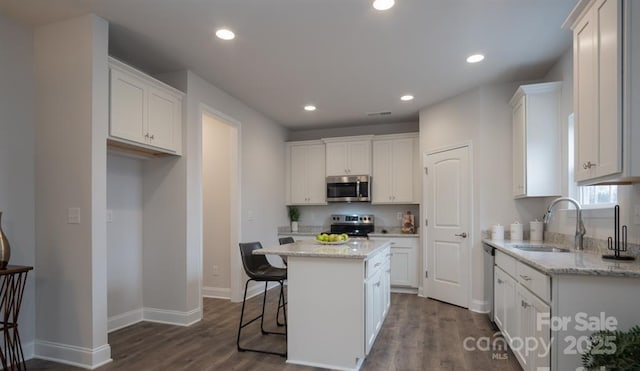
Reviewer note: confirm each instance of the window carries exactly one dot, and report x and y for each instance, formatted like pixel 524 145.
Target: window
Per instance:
pixel 595 196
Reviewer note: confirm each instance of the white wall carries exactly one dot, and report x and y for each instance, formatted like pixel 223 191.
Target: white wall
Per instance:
pixel 216 173
pixel 262 188
pixel 71 77
pixel 17 160
pixel 482 116
pixel 377 129
pixel 124 235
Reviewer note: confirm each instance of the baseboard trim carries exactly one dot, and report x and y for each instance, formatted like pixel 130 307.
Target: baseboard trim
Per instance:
pixel 357 367
pixel 216 292
pixel 73 355
pixel 479 306
pixel 172 317
pixel 28 349
pixel 404 290
pixel 125 319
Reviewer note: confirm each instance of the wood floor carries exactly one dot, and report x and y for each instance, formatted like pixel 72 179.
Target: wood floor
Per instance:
pixel 418 334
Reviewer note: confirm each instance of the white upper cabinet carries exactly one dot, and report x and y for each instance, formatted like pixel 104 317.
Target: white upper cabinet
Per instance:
pixel 348 155
pixel 144 112
pixel 606 92
pixel 536 140
pixel 394 167
pixel 306 173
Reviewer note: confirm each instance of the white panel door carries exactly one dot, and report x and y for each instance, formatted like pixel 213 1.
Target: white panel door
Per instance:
pixel 128 107
pixel 448 205
pixel 337 159
pixel 402 179
pixel 381 187
pixel 163 113
pixel 359 157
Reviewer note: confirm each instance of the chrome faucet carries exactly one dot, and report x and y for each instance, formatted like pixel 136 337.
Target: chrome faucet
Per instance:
pixel 580 230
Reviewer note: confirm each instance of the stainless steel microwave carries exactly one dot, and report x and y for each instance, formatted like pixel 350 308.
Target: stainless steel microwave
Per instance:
pixel 349 188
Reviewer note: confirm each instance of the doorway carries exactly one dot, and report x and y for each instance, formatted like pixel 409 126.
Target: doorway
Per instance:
pixel 448 208
pixel 221 277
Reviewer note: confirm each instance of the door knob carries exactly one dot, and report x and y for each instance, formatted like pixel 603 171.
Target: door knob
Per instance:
pixel 463 235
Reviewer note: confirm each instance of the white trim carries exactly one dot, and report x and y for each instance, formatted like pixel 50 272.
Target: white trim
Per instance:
pixel 73 355
pixel 359 363
pixel 216 292
pixel 29 350
pixel 125 319
pixel 235 199
pixel 172 317
pixel 404 290
pixel 479 306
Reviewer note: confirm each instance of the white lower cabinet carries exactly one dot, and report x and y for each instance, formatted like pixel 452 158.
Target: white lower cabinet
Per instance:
pixel 518 311
pixel 404 261
pixel 377 295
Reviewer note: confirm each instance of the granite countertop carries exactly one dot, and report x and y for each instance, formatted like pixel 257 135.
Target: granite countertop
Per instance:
pixel 355 248
pixel 573 262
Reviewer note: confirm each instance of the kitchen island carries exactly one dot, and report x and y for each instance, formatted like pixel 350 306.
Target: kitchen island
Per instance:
pixel 338 297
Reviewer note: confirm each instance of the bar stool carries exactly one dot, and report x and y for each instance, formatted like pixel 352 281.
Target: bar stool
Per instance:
pixel 258 269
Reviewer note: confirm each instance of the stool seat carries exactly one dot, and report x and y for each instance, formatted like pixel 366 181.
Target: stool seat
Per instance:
pixel 268 273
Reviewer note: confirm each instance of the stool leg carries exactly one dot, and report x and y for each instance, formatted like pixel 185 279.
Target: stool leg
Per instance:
pixel 284 306
pixel 264 301
pixel 240 326
pixel 281 303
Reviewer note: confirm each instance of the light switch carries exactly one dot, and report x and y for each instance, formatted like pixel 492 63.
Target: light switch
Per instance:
pixel 109 216
pixel 399 215
pixel 73 215
pixel 250 215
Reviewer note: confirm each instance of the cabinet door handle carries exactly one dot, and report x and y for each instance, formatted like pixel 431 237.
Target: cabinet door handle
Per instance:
pixel 463 235
pixel 152 137
pixel 146 135
pixel 524 304
pixel 588 165
pixel 377 265
pixel 500 282
pixel 526 278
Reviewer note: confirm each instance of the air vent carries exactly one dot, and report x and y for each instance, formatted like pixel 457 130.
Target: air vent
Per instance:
pixel 383 113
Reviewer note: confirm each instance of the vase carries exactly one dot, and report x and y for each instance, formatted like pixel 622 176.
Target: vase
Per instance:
pixel 294 226
pixel 5 249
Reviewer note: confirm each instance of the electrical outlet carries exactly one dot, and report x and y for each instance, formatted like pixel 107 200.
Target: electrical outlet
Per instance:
pixel 109 216
pixel 399 215
pixel 636 214
pixel 73 215
pixel 215 270
pixel 250 215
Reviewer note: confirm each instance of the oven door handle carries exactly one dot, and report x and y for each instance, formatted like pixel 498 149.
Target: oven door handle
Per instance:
pixel 358 194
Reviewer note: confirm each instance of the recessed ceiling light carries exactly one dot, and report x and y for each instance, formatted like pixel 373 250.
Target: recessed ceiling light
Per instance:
pixel 383 4
pixel 406 98
pixel 225 34
pixel 475 58
pixel 310 108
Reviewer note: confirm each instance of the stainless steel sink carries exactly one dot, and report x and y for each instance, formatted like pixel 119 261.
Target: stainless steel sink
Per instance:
pixel 540 248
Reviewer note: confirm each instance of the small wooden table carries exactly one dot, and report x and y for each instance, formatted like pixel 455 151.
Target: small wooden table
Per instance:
pixel 12 282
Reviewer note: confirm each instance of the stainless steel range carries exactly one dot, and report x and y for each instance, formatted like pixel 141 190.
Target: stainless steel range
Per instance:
pixel 353 225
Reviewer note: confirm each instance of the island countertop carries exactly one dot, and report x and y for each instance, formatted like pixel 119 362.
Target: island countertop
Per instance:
pixel 356 248
pixel 573 262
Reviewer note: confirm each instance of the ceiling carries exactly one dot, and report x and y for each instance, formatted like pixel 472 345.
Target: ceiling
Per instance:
pixel 340 55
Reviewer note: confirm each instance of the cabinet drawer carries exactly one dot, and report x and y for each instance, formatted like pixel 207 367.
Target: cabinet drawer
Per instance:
pixel 507 263
pixel 376 262
pixel 536 281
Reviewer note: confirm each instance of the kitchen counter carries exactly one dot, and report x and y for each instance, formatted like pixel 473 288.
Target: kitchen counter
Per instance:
pixel 355 248
pixel 315 230
pixel 573 262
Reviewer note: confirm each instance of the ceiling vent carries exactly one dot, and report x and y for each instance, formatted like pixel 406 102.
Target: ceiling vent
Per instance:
pixel 383 113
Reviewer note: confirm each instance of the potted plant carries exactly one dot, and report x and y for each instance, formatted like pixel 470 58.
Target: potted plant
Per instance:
pixel 613 350
pixel 294 216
